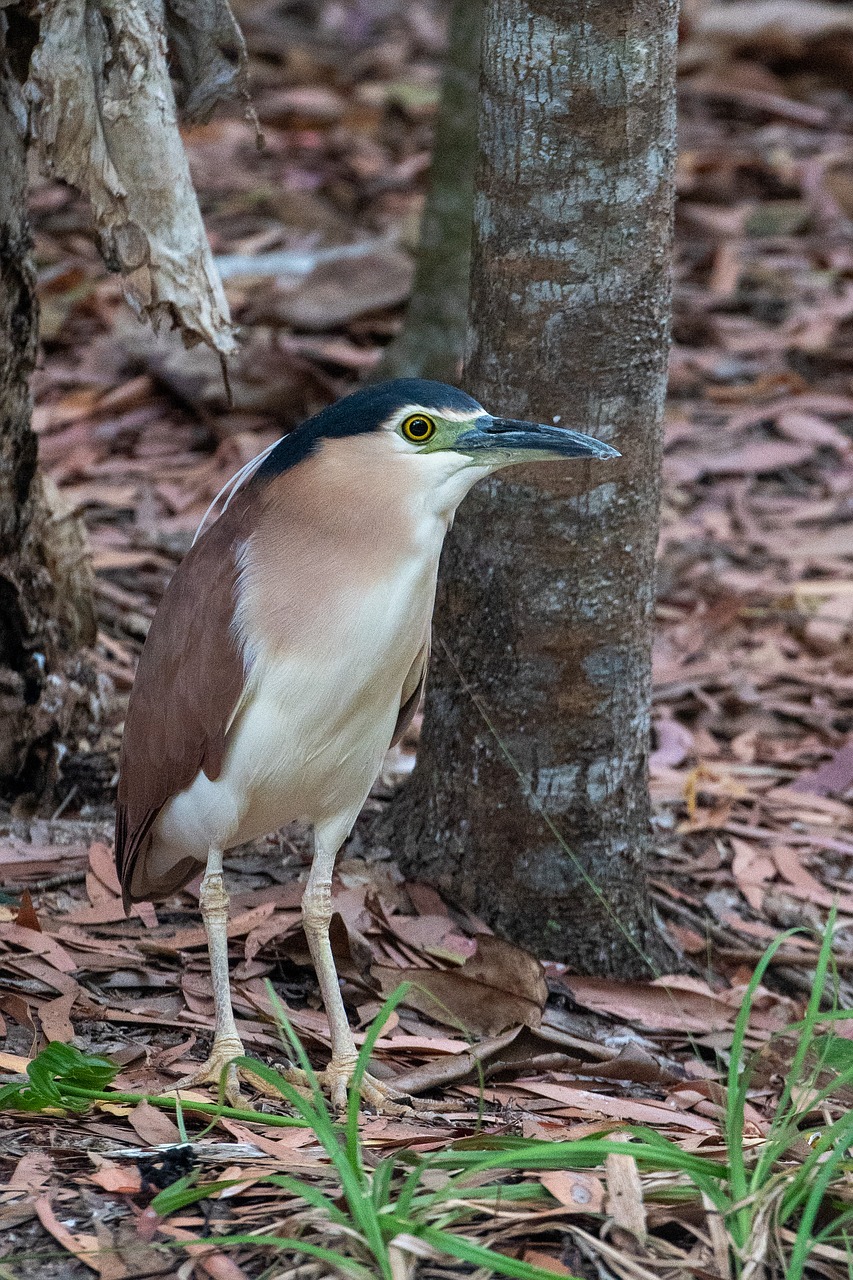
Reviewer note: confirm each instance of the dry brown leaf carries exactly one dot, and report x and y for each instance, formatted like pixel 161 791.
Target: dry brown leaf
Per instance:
pixel 579 1192
pixel 833 777
pixel 55 1018
pixel 335 293
pixel 625 1192
pixel 153 1126
pixel 83 1247
pixel 653 1007
pixel 499 987
pixel 120 1179
pixel 27 917
pixel 32 1171
pixel 547 1262
pixel 749 459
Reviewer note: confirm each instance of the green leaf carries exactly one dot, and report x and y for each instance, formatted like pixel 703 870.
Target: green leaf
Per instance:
pixel 56 1070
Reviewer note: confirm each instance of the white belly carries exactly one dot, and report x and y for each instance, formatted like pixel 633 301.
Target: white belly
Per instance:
pixel 312 728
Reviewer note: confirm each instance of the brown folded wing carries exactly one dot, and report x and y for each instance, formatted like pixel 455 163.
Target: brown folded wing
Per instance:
pixel 410 698
pixel 188 682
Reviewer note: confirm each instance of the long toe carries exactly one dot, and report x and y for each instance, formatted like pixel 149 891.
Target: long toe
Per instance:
pixel 378 1095
pixel 210 1072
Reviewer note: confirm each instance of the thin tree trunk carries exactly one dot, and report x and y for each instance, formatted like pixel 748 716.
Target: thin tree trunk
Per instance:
pixel 45 605
pixel 433 340
pixel 546 596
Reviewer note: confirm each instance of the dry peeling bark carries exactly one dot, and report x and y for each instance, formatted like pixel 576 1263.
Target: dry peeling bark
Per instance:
pixel 99 101
pixel 546 595
pixel 45 577
pixel 104 116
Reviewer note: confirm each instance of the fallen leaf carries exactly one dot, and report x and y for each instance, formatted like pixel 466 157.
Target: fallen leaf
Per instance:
pixel 579 1192
pixel 83 1247
pixel 500 986
pixel 625 1192
pixel 154 1126
pixel 27 917
pixel 652 1007
pixel 834 777
pixel 32 1171
pixel 335 293
pixel 121 1179
pixel 547 1262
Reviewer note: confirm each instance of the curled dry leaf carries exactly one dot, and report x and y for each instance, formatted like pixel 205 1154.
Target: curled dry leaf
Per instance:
pixel 499 987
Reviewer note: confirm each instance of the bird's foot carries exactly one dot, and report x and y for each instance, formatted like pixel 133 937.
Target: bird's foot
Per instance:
pixel 221 1054
pixel 380 1096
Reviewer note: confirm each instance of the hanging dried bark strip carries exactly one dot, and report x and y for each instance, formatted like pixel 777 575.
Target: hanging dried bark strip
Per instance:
pixel 104 116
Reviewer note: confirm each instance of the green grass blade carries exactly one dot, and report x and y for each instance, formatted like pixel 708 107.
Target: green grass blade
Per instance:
pixel 476 1254
pixel 804 1241
pixel 738 1084
pixel 348 1266
pixel 529 1155
pixel 292 1039
pixel 354 1099
pixel 310 1194
pixel 812 1015
pixel 170 1104
pixel 183 1192
pixel 354 1184
pixel 380 1188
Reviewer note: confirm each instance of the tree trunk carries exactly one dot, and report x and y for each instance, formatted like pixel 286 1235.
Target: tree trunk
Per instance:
pixel 433 340
pixel 45 603
pixel 539 820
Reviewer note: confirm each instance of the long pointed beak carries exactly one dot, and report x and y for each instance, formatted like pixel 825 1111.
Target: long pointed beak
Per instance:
pixel 505 436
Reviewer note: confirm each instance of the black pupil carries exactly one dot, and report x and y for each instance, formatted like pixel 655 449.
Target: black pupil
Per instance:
pixel 419 427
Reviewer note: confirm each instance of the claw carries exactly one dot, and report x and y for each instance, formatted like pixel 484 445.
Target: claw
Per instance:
pixel 210 1072
pixel 380 1096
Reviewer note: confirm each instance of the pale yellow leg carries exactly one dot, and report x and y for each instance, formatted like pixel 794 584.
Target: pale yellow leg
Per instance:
pixel 227 1044
pixel 316 918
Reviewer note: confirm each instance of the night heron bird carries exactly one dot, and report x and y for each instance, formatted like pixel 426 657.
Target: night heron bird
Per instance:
pixel 290 651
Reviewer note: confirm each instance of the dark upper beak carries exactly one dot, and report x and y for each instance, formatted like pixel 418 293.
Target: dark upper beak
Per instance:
pixel 508 435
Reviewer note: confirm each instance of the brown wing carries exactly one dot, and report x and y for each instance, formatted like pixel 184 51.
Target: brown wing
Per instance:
pixel 410 698
pixel 188 682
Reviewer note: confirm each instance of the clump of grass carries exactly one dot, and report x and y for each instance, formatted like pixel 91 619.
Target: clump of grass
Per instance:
pixel 391 1209
pixel 776 1206
pixel 771 1191
pixel 777 1200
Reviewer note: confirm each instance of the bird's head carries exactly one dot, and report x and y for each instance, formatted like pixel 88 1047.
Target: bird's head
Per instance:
pixel 428 418
pixel 434 421
pixel 449 439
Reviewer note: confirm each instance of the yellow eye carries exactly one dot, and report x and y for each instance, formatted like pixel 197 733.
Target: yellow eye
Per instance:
pixel 418 428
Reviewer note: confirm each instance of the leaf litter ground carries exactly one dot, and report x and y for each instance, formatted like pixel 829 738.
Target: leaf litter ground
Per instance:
pixel 752 768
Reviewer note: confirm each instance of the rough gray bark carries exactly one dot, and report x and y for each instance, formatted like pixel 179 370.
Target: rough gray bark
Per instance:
pixel 546 595
pixel 433 340
pixel 45 580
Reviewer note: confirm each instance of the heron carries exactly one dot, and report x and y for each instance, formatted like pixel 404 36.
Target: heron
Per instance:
pixel 290 651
